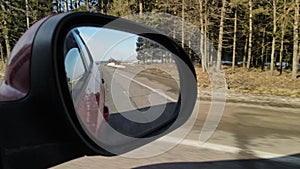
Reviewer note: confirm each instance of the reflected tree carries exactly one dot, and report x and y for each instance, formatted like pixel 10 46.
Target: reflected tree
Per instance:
pixel 150 52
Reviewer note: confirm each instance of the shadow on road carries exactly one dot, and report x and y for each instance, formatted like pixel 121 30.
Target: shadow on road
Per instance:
pixel 128 127
pixel 276 163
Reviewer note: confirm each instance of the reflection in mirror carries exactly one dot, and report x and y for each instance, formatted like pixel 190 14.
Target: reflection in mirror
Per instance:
pixel 122 85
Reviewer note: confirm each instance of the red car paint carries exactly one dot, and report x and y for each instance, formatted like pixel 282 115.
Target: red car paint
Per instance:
pixel 16 82
pixel 87 90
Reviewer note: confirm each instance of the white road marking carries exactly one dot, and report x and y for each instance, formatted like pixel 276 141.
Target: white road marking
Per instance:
pixel 234 150
pixel 150 88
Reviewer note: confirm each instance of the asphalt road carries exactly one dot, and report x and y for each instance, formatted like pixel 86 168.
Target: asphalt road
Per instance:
pixel 139 101
pixel 134 88
pixel 248 136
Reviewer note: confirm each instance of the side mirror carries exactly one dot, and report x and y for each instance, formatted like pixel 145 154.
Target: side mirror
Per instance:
pixel 91 84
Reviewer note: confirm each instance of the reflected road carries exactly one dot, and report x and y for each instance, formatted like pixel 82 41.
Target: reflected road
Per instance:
pixel 131 89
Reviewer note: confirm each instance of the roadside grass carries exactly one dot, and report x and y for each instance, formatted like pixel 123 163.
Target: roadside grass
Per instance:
pixel 2 71
pixel 254 81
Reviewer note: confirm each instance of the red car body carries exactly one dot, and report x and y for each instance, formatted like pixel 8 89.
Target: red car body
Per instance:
pixel 16 83
pixel 85 83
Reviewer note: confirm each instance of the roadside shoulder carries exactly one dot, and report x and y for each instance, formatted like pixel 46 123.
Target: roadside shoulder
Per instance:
pixel 261 100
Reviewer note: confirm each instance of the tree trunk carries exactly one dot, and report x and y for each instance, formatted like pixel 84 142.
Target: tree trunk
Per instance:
pixel 250 34
pixel 234 37
pixel 206 45
pixel 203 57
pixel 6 38
pixel 59 6
pixel 296 39
pixel 141 6
pixel 71 5
pixel 101 6
pixel 107 6
pixel 272 63
pixel 262 57
pixel 2 54
pixel 212 53
pixel 87 5
pixel 54 6
pixel 76 4
pixel 27 13
pixel 182 25
pixel 5 34
pixel 66 6
pixel 282 38
pixel 245 52
pixel 221 32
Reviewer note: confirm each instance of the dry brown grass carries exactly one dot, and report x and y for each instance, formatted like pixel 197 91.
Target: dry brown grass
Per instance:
pixel 2 71
pixel 255 82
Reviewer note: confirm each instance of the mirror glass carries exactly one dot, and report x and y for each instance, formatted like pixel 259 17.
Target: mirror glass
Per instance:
pixel 123 85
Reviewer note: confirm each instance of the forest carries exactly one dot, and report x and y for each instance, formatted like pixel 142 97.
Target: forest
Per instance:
pixel 252 34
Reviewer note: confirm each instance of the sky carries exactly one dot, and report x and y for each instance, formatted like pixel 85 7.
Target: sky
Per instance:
pixel 105 43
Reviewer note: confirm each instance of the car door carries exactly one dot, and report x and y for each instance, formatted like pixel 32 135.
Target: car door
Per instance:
pixel 85 84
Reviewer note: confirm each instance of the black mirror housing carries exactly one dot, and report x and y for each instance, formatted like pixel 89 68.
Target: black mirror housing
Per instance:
pixel 41 129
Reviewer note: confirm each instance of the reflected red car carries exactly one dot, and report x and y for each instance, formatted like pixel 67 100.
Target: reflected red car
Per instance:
pixel 85 83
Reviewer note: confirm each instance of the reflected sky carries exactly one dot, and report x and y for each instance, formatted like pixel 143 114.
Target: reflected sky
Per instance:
pixel 74 65
pixel 105 44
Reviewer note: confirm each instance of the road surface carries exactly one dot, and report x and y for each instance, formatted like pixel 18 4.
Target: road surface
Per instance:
pixel 249 136
pixel 134 88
